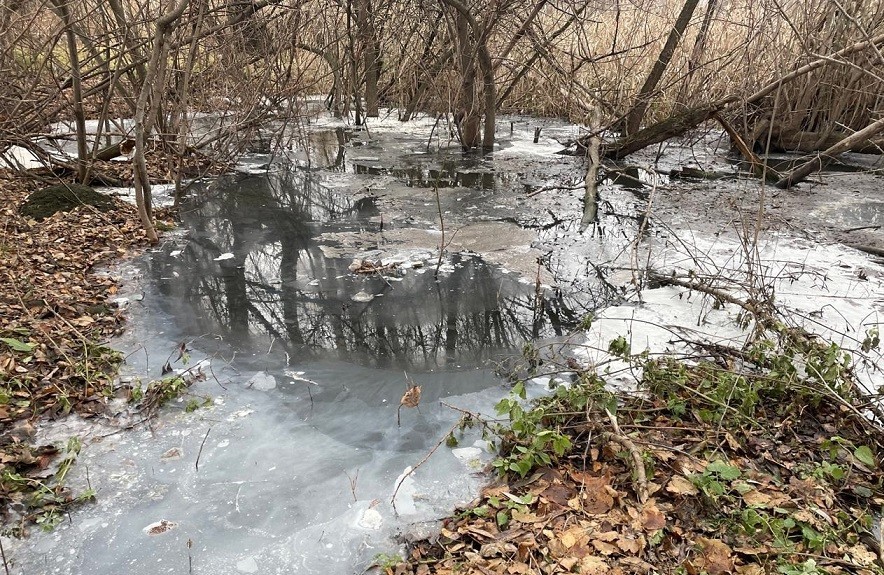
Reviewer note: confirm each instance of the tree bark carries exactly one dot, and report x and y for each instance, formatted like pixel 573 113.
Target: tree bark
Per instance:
pixel 466 23
pixel 370 55
pixel 660 132
pixel 64 13
pixel 141 177
pixel 637 114
pixel 467 116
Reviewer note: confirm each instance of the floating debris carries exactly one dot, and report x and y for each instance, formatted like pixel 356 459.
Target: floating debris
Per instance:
pixel 362 297
pixel 160 527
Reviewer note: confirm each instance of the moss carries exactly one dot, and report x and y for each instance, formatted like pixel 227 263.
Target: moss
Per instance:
pixel 62 198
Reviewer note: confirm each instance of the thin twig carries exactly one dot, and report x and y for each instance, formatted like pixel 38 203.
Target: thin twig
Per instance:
pixel 638 464
pixel 421 462
pixel 442 226
pixel 197 462
pixel 3 555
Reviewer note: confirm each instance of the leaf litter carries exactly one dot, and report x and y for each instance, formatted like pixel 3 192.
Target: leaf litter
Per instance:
pixel 54 321
pixel 765 459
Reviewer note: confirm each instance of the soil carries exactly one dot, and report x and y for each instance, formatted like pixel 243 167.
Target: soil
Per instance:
pixel 63 198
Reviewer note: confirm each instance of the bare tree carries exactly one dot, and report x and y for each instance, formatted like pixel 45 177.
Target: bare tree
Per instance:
pixel 637 114
pixel 160 52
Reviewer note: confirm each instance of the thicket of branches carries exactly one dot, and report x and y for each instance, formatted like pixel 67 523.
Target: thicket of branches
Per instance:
pixel 621 66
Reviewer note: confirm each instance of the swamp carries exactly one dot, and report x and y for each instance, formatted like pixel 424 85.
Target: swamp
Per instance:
pixel 441 287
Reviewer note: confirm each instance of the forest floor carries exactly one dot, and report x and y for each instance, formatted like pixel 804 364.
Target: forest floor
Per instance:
pixel 757 460
pixel 55 322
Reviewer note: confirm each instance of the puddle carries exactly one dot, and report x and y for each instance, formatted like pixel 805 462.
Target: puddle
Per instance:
pixel 291 464
pixel 265 263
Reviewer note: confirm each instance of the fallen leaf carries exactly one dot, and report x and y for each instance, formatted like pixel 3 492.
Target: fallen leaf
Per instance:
pixel 651 517
pixel 637 565
pixel 570 537
pixel 628 545
pixel 681 485
pixel 597 498
pixel 756 498
pixel 862 556
pixel 715 557
pixel 83 321
pixel 603 547
pixel 412 397
pixel 591 565
pixel 524 517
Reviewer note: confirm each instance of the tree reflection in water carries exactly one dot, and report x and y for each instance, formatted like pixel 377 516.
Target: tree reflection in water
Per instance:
pixel 279 285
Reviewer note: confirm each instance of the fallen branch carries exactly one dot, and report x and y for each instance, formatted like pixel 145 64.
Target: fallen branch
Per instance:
pixel 638 464
pixel 659 132
pixel 827 156
pixel 759 168
pixel 875 251
pixel 203 444
pixel 696 286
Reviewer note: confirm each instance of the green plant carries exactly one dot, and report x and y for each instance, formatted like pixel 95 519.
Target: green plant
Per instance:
pixel 386 561
pixel 196 403
pixel 47 499
pixel 527 440
pixel 871 341
pixel 510 503
pixel 716 479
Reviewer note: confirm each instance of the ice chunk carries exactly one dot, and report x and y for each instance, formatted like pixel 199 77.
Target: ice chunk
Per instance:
pixel 262 381
pixel 247 565
pixel 362 297
pixel 371 519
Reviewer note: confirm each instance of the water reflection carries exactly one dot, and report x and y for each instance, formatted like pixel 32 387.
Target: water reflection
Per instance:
pixel 254 274
pixel 445 173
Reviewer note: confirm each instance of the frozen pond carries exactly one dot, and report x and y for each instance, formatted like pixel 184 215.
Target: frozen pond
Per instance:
pixel 290 463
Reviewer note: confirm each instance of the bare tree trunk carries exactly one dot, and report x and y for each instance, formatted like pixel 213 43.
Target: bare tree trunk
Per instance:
pixel 370 55
pixel 471 50
pixel 467 115
pixel 137 72
pixel 183 101
pixel 490 91
pixel 699 49
pixel 142 180
pixel 64 13
pixel 590 181
pixel 354 67
pixel 637 114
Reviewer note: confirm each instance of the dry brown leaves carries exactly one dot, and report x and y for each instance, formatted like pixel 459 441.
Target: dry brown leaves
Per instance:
pixel 584 516
pixel 411 398
pixel 370 267
pixel 54 306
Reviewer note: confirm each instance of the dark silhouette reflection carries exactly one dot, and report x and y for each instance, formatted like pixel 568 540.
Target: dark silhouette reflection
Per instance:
pixel 441 173
pixel 254 273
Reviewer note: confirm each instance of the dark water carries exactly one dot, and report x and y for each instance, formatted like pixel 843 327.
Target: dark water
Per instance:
pixel 282 291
